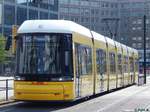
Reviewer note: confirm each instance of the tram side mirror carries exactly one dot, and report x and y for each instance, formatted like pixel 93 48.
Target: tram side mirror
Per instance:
pixel 8 43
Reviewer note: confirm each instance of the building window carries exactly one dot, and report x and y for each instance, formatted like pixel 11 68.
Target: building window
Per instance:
pixel 33 3
pixel 9 14
pixel 102 13
pixel 33 14
pixel 147 38
pixel 86 11
pixel 147 21
pixel 139 38
pixel 53 16
pixel 22 2
pixel 13 1
pixel 134 45
pixel 94 4
pixel 112 5
pixel 134 22
pixel 147 46
pixel 52 2
pixel 43 15
pixel 139 28
pixel 134 38
pixel 44 4
pixel 106 4
pixel 74 2
pixel 84 3
pixel 139 21
pixel 64 9
pixel 74 10
pixel 63 1
pixel 7 31
pixel 21 15
pixel 133 28
pixel 116 5
pixel 139 45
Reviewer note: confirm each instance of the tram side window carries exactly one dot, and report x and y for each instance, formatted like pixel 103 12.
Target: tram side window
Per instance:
pixel 83 59
pixel 119 64
pixel 125 64
pixel 101 61
pixel 131 64
pixel 112 63
pixel 136 65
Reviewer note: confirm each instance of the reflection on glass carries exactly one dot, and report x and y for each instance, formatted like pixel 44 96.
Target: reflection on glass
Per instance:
pixel 43 54
pixel 21 15
pixel 9 14
pixel 33 3
pixel 12 1
pixel 43 15
pixel 22 2
pixel 33 14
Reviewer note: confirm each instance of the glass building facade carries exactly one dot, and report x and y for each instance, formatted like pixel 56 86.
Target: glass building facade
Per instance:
pixel 15 12
pixel 90 13
pixel 129 29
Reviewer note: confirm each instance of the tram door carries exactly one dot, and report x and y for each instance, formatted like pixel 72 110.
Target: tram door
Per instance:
pixel 101 69
pixel 83 55
pixel 77 72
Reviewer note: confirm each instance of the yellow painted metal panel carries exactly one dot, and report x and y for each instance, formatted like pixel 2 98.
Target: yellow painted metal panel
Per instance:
pixel 45 91
pixel 78 38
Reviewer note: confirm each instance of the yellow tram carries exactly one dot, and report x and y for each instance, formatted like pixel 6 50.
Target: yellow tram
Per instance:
pixel 59 60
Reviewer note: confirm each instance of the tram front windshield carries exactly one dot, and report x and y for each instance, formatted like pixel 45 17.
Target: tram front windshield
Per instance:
pixel 44 56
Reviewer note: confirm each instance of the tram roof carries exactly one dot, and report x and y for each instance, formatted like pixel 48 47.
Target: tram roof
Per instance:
pixel 99 37
pixel 135 51
pixel 124 47
pixel 110 41
pixel 53 26
pixel 64 26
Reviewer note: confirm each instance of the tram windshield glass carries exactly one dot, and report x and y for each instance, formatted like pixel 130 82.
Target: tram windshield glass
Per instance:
pixel 44 54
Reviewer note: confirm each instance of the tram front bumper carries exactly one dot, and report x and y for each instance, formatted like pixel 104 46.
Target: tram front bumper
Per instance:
pixel 49 92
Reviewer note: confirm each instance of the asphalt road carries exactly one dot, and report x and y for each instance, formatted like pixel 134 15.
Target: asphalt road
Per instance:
pixel 131 99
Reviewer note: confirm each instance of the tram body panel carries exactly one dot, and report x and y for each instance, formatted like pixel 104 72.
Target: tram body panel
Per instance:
pixel 132 74
pixel 84 76
pixel 112 66
pixel 136 66
pixel 125 65
pixel 47 65
pixel 119 65
pixel 101 67
pixel 44 91
pixel 130 65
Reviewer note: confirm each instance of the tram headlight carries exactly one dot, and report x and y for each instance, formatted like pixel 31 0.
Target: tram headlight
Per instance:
pixel 57 79
pixel 62 79
pixel 19 78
